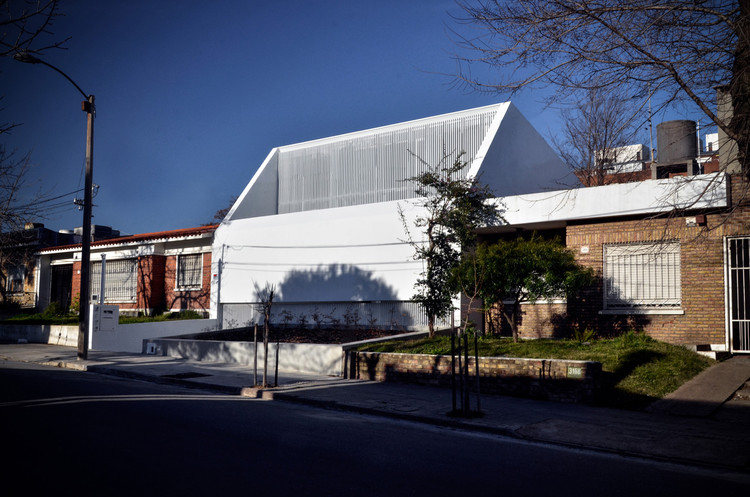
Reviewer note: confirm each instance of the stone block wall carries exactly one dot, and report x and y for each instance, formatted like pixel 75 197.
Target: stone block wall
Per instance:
pixel 548 379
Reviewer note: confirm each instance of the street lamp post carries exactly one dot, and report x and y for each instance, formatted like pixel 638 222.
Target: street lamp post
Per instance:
pixel 88 107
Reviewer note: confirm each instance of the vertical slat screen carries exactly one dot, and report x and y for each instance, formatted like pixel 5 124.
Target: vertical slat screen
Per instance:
pixel 371 167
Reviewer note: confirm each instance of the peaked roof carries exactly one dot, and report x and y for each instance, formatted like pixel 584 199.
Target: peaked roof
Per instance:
pixel 371 166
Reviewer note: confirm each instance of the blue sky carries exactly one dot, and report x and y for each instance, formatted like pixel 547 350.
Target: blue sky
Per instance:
pixel 192 95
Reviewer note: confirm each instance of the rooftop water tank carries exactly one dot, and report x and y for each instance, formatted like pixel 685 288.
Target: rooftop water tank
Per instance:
pixel 676 141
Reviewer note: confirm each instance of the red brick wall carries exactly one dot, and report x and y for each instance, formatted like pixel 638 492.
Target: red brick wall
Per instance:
pixel 75 290
pixel 156 286
pixel 702 277
pixel 189 299
pixel 150 282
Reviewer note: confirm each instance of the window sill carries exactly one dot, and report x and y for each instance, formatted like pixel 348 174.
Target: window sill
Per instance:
pixel 190 289
pixel 641 311
pixel 538 302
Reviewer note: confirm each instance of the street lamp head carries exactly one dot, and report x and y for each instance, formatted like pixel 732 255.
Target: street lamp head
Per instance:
pixel 26 57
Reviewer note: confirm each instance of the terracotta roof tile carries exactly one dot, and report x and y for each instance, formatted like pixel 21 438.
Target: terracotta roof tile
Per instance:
pixel 142 237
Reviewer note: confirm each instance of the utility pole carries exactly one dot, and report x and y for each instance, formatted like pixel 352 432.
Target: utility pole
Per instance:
pixel 88 107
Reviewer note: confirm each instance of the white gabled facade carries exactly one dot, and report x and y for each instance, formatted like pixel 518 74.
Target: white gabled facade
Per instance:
pixel 320 221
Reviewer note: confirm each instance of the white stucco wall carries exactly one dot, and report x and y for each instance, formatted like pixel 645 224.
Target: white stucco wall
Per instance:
pixel 342 254
pixel 517 159
pixel 644 197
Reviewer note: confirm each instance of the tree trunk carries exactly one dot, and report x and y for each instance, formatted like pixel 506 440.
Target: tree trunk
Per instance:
pixel 431 325
pixel 511 320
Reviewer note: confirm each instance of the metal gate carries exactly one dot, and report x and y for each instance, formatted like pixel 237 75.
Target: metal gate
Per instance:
pixel 738 277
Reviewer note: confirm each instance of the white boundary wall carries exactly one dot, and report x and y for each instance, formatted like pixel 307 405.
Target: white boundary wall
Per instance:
pixel 125 338
pixel 293 357
pixel 129 337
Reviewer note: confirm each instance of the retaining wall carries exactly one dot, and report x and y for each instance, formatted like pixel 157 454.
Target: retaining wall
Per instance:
pixel 66 335
pixel 124 338
pixel 293 357
pixel 548 379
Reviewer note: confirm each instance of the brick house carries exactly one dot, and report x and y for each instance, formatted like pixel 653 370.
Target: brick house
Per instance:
pixel 671 253
pixel 144 273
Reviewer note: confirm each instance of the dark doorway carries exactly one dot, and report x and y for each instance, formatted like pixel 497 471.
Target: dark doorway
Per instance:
pixel 62 285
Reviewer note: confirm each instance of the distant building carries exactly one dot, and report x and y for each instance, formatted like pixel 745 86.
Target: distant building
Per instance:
pixel 679 154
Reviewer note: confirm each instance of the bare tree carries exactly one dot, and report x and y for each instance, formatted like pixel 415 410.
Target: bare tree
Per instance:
pixel 264 297
pixel 13 178
pixel 21 24
pixel 682 50
pixel 220 214
pixel 26 22
pixel 595 133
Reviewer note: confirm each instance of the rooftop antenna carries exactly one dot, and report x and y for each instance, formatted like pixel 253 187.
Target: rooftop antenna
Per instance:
pixel 650 125
pixel 698 142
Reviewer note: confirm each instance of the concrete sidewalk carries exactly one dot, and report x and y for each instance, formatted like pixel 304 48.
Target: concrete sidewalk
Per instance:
pixel 687 427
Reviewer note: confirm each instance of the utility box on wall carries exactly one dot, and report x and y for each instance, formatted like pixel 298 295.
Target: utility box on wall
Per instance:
pixel 104 317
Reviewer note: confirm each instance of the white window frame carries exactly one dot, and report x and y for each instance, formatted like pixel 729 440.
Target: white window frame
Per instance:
pixel 120 280
pixel 642 278
pixel 180 285
pixel 16 275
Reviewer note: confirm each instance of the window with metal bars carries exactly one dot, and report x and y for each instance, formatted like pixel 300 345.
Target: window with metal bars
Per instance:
pixel 642 275
pixel 14 283
pixel 189 271
pixel 120 280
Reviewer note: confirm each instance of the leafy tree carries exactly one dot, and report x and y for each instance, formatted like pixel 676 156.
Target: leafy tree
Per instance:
pixel 454 206
pixel 520 271
pixel 682 50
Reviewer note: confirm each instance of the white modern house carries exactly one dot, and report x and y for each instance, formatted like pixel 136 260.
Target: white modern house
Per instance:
pixel 319 221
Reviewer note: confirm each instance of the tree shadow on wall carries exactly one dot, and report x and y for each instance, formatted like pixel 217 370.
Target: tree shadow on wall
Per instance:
pixel 340 295
pixel 334 282
pixel 584 312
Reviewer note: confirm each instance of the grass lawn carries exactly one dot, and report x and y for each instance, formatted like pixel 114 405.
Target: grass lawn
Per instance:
pixel 47 318
pixel 636 369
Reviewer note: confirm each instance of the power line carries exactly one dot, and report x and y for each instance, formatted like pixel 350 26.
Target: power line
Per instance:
pixel 43 201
